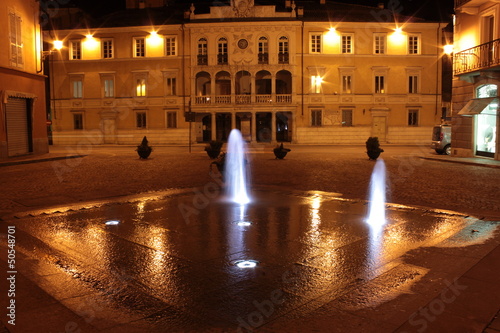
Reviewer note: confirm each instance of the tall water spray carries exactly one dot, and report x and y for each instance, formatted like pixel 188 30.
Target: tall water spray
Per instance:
pixel 376 208
pixel 235 169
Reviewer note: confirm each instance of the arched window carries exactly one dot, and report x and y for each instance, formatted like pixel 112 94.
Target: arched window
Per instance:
pixel 263 83
pixel 486 90
pixel 283 51
pixel 222 51
pixel 263 54
pixel 203 88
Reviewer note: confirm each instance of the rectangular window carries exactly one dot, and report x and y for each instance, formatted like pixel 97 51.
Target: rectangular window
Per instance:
pixel 107 48
pixel 222 52
pixel 412 117
pixel 109 87
pixel 316 117
pixel 170 46
pixel 346 117
pixel 172 119
pixel 413 44
pixel 16 42
pixel 170 86
pixel 202 52
pixel 139 47
pixel 347 43
pixel 380 84
pixel 77 86
pixel 413 84
pixel 140 87
pixel 75 50
pixel 346 84
pixel 77 121
pixel 283 56
pixel 140 119
pixel 316 43
pixel 379 43
pixel 316 81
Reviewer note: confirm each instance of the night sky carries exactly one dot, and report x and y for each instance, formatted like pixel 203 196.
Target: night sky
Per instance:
pixel 429 9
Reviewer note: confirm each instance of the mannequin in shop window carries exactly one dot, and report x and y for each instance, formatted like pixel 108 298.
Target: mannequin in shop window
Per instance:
pixel 488 138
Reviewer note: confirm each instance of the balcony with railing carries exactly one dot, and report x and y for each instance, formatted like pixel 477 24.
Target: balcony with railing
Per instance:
pixel 244 99
pixel 481 57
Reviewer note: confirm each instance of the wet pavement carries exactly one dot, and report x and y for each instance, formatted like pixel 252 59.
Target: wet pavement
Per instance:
pixel 169 263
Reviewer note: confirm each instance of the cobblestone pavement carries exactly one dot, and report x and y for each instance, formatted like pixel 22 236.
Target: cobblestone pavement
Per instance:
pixel 114 171
pixel 416 177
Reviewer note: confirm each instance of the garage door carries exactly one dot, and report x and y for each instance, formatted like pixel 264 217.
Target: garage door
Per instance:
pixel 18 126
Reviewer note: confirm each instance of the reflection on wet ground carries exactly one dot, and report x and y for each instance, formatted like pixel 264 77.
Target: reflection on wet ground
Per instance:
pixel 178 263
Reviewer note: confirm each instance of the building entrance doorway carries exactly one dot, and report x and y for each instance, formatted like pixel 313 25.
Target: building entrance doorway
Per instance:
pixel 283 126
pixel 263 126
pixel 223 126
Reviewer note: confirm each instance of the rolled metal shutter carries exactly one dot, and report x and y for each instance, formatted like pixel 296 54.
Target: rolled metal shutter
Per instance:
pixel 17 126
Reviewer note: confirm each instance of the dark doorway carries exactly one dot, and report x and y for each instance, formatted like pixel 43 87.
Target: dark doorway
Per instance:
pixel 263 126
pixel 223 126
pixel 207 128
pixel 283 126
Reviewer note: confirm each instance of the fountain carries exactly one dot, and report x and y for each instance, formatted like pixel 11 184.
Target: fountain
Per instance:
pixel 376 208
pixel 235 169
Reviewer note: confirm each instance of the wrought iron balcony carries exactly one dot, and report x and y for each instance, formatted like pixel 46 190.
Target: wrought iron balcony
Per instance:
pixel 480 57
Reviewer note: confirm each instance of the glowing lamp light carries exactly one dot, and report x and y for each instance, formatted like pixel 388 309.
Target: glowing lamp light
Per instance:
pixel 112 222
pixel 448 49
pixel 58 44
pixel 246 263
pixel 154 38
pixel 398 30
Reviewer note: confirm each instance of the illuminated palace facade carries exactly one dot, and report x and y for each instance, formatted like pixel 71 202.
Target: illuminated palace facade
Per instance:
pixel 476 66
pixel 310 72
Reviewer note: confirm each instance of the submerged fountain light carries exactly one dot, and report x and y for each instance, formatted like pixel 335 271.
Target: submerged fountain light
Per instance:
pixel 246 263
pixel 376 208
pixel 235 169
pixel 112 222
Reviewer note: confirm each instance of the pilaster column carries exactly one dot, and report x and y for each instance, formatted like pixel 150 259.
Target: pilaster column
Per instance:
pixel 214 127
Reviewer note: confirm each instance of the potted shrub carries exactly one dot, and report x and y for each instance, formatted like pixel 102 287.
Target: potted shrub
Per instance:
pixel 280 152
pixel 144 149
pixel 373 149
pixel 213 148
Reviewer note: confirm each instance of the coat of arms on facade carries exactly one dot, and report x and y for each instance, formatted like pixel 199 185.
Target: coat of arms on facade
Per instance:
pixel 242 8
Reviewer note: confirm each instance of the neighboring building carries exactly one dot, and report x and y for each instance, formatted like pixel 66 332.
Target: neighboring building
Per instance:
pixel 305 72
pixel 23 119
pixel 477 77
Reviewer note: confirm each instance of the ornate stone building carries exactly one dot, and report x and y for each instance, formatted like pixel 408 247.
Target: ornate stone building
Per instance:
pixel 309 72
